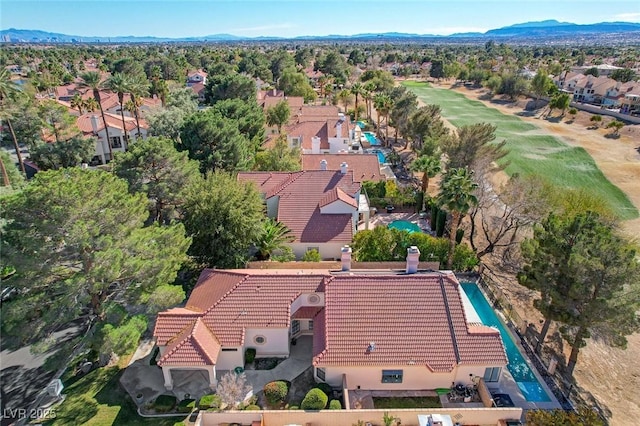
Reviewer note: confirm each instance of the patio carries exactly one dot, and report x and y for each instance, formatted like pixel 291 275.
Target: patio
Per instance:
pixel 141 377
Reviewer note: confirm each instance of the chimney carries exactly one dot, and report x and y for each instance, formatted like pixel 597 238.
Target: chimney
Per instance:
pixel 413 257
pixel 343 168
pixel 346 258
pixel 94 123
pixel 315 145
pixel 323 164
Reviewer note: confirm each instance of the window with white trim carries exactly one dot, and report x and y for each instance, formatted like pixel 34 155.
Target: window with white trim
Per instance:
pixel 310 325
pixel 116 142
pixel 321 374
pixel 295 327
pixel 260 340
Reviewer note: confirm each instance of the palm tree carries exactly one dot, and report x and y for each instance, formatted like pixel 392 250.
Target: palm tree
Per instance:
pixel 8 91
pixel 368 94
pixel 429 166
pixel 357 89
pixel 138 88
pixel 456 196
pixel 77 102
pixel 93 81
pixel 344 96
pixel 275 235
pixel 90 104
pixel 383 104
pixel 119 84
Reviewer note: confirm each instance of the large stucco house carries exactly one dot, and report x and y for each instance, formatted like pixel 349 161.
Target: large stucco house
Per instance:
pixel 322 208
pixel 372 329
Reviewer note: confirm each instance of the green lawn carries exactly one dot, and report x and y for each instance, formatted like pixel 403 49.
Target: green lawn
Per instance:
pixel 97 399
pixel 531 151
pixel 409 402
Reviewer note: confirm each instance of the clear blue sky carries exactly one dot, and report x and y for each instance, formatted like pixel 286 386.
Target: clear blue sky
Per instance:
pixel 288 18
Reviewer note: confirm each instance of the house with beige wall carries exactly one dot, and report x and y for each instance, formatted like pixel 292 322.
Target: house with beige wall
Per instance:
pixel 372 329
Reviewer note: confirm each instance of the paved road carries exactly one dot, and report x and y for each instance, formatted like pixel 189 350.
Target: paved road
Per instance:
pixel 22 377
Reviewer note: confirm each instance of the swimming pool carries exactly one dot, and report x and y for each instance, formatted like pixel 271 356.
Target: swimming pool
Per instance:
pixel 404 225
pixel 518 367
pixel 371 138
pixel 381 157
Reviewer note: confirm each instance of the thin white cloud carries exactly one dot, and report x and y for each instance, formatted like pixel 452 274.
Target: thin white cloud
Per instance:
pixel 629 17
pixel 284 26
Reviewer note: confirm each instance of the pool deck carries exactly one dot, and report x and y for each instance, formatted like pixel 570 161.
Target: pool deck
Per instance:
pixel 384 219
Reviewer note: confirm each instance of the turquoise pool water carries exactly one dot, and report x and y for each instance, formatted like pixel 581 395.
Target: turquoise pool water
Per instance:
pixel 371 138
pixel 361 124
pixel 381 157
pixel 518 367
pixel 404 225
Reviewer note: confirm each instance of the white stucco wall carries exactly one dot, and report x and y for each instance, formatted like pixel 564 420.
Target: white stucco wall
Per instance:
pixel 414 377
pixel 276 344
pixel 102 149
pixel 230 360
pixel 338 144
pixel 337 207
pixel 327 250
pixel 303 300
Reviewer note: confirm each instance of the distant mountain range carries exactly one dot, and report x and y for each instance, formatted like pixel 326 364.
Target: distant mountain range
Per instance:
pixel 542 29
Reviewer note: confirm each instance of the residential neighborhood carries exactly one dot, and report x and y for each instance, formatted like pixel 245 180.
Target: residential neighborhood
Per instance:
pixel 369 228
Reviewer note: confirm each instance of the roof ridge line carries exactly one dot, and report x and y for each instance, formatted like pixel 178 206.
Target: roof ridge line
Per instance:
pixel 449 321
pixel 202 349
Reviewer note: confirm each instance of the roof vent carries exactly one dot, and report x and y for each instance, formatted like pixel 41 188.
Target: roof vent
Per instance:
pixel 371 347
pixel 313 299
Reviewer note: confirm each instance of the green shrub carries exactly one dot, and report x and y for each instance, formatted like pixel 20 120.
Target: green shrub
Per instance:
pixel 164 403
pixel 314 400
pixel 311 256
pixel 294 407
pixel 335 404
pixel 275 392
pixel 459 235
pixel 283 254
pixel 464 259
pixel 249 355
pixel 209 401
pixel 324 388
pixel 253 408
pixel 186 405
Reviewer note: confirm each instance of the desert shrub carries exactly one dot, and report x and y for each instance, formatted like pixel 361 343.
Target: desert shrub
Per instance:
pixel 164 403
pixel 209 401
pixel 275 392
pixel 294 407
pixel 253 408
pixel 186 405
pixel 335 404
pixel 314 400
pixel 324 388
pixel 311 256
pixel 249 355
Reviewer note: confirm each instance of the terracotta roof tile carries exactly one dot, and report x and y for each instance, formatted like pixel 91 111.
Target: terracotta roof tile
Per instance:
pixel 306 312
pixel 245 306
pixel 172 322
pixel 365 167
pixel 337 194
pixel 299 196
pixel 410 319
pixel 195 345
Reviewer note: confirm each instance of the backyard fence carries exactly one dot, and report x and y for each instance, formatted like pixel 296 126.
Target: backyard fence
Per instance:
pixel 562 389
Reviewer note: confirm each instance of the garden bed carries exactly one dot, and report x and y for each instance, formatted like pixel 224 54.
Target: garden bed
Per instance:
pixel 407 402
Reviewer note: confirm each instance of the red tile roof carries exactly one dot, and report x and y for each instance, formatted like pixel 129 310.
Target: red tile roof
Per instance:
pixel 313 113
pixel 324 129
pixel 300 194
pixel 245 307
pixel 113 120
pixel 172 322
pixel 410 319
pixel 365 167
pixel 195 345
pixel 337 194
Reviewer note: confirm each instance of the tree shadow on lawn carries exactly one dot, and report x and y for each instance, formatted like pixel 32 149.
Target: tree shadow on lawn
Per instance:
pixel 612 136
